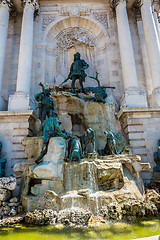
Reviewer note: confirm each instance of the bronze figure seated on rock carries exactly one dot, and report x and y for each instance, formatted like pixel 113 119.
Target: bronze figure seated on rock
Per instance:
pixel 51 128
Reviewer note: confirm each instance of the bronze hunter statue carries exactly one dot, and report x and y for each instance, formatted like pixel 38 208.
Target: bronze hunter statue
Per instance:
pixel 87 139
pixel 45 103
pixel 77 72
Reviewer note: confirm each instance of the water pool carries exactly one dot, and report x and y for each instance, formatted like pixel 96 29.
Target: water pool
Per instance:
pixel 111 231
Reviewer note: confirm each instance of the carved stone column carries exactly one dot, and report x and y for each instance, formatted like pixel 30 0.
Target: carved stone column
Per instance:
pixel 132 97
pixel 21 100
pixel 153 49
pixel 155 10
pixel 5 6
pixel 144 52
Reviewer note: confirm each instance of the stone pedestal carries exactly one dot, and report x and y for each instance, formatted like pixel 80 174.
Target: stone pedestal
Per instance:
pixel 134 98
pixel 154 98
pixel 141 126
pixel 20 101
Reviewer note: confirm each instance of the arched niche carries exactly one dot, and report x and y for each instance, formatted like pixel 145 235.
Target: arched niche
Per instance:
pixel 63 38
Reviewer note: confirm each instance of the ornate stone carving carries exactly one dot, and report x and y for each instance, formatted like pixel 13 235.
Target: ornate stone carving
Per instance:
pixel 47 20
pixel 33 3
pixel 136 10
pixel 139 3
pixel 156 7
pixel 114 3
pixel 102 18
pixel 7 3
pixel 68 38
pixel 138 15
pixel 74 11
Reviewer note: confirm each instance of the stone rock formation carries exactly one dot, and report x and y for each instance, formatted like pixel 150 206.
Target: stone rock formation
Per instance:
pixel 8 183
pixel 9 206
pixel 76 216
pixel 44 217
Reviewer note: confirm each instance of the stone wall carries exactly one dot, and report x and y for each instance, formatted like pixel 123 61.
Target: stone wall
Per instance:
pixel 142 127
pixel 14 126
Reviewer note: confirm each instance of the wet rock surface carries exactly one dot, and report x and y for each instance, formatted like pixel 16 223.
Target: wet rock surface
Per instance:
pixel 5 194
pixel 77 216
pixel 44 217
pixel 112 211
pixel 9 206
pixel 84 192
pixel 11 221
pixel 8 183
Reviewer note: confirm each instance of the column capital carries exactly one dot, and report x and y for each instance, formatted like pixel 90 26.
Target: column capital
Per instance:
pixel 31 3
pixel 142 2
pixel 115 3
pixel 6 3
pixel 156 6
pixel 137 13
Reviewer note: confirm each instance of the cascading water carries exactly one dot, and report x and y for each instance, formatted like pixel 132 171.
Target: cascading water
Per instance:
pixel 92 177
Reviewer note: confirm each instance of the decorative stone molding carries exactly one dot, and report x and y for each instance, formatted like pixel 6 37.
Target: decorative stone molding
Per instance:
pixel 32 3
pixel 47 20
pixel 68 38
pixel 74 11
pixel 138 15
pixel 6 3
pixel 102 18
pixel 136 11
pixel 114 3
pixel 156 6
pixel 142 2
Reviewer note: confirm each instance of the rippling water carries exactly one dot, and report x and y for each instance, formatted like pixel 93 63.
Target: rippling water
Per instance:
pixel 111 231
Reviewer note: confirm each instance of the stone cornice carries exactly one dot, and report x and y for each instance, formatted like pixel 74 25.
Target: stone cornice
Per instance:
pixel 140 110
pixel 18 114
pixel 6 3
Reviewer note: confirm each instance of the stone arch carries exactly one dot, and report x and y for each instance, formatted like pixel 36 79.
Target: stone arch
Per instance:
pixel 92 26
pixel 94 39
